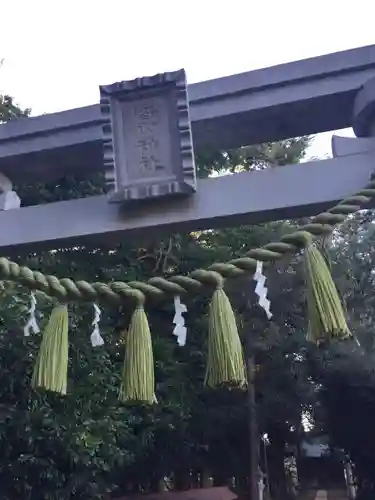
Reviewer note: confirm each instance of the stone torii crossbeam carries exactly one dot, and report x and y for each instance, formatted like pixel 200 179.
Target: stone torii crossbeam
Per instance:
pixel 305 97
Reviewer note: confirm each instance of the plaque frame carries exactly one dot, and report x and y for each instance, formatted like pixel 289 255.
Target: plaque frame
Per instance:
pixel 181 178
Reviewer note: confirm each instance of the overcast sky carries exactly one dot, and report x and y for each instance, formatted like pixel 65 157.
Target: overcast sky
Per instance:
pixel 56 53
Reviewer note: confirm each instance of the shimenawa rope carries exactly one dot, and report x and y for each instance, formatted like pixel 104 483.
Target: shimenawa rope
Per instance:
pixel 214 276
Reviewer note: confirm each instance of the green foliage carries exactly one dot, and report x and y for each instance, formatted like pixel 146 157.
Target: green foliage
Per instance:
pixel 9 110
pixel 345 376
pixel 344 372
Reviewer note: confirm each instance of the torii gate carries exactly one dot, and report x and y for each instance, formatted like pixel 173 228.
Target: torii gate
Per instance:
pixel 305 97
pixel 142 135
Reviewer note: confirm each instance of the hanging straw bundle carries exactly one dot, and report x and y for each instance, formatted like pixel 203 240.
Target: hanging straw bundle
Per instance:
pixel 51 368
pixel 325 310
pixel 138 378
pixel 225 362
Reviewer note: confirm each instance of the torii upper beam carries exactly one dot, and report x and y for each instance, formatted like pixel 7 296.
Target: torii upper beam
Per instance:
pixel 289 100
pixel 277 193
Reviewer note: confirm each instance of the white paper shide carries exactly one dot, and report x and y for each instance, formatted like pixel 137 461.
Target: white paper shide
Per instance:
pixel 31 325
pixel 261 289
pixel 180 329
pixel 96 339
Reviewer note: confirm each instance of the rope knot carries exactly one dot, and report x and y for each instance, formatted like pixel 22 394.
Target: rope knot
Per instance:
pixel 300 239
pixel 210 277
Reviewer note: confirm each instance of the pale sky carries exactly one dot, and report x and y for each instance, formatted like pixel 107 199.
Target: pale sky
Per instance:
pixel 57 52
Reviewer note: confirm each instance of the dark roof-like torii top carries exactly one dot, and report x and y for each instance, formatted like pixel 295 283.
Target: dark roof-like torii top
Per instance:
pixel 288 100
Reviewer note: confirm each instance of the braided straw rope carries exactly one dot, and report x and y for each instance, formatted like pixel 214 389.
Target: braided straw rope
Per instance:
pixel 67 289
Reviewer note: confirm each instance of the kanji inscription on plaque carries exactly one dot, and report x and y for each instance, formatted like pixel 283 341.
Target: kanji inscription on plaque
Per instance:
pixel 149 155
pixel 147 137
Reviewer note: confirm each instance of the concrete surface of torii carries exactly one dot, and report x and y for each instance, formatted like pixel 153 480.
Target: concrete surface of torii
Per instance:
pixel 304 97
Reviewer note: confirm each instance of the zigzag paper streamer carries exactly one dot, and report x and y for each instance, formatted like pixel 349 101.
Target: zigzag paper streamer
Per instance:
pixel 96 339
pixel 261 290
pixel 31 324
pixel 180 329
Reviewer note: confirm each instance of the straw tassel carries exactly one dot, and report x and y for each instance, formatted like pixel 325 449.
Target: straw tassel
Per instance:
pixel 325 310
pixel 225 362
pixel 138 377
pixel 51 368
